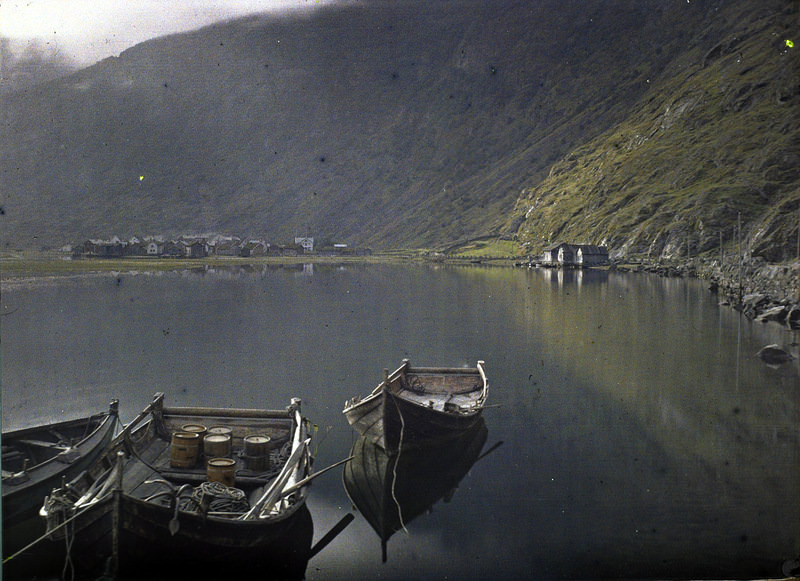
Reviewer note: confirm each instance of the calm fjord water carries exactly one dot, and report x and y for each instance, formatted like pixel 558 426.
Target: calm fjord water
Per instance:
pixel 641 438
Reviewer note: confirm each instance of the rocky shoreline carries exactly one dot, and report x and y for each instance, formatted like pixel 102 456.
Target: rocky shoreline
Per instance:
pixel 761 291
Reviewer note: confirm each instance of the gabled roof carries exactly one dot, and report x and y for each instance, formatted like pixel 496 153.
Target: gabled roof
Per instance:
pixel 559 245
pixel 591 249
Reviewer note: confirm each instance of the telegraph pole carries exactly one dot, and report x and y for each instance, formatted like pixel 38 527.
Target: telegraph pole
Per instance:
pixel 739 230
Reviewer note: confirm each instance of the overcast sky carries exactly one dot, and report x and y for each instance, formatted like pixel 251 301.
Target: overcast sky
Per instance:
pixel 90 30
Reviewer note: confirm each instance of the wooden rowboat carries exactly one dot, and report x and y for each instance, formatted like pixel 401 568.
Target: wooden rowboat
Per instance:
pixel 148 506
pixel 36 459
pixel 415 405
pixel 392 490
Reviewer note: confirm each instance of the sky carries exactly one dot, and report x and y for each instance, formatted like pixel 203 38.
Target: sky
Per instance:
pixel 90 30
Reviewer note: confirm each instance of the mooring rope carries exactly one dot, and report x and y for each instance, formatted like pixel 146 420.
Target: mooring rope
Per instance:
pixel 47 534
pixel 68 571
pixel 396 460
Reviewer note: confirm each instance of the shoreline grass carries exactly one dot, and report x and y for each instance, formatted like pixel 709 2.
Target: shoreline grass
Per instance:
pixel 21 265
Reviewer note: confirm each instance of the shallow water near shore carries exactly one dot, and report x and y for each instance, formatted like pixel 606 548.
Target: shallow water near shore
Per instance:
pixel 641 437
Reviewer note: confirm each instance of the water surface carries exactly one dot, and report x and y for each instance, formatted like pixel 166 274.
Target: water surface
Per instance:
pixel 640 436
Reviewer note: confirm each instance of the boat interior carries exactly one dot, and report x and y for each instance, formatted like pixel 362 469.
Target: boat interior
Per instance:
pixel 158 471
pixel 31 447
pixel 452 391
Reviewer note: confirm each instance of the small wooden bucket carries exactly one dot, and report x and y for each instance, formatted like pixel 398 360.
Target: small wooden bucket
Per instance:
pixel 194 428
pixel 184 449
pixel 256 452
pixel 221 470
pixel 217 446
pixel 220 430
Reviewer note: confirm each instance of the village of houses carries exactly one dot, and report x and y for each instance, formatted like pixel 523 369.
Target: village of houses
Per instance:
pixel 559 255
pixel 203 246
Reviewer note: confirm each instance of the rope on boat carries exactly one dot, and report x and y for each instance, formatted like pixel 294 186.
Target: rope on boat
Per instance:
pixel 394 468
pixel 46 535
pixel 216 497
pixel 68 571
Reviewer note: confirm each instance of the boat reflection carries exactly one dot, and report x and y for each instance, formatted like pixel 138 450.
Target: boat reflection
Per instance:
pixel 390 490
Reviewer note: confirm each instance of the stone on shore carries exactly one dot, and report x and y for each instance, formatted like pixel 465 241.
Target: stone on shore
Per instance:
pixel 774 355
pixel 773 314
pixel 793 317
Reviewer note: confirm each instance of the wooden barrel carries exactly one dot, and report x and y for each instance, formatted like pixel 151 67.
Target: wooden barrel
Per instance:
pixel 221 470
pixel 217 445
pixel 184 449
pixel 256 452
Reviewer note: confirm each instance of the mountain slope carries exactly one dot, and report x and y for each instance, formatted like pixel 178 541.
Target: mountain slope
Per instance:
pixel 712 143
pixel 403 123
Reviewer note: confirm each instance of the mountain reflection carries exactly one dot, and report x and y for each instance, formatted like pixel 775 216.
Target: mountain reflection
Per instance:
pixel 392 490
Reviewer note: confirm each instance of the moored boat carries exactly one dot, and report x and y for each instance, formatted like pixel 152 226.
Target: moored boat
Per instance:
pixel 153 503
pixel 36 459
pixel 391 490
pixel 415 405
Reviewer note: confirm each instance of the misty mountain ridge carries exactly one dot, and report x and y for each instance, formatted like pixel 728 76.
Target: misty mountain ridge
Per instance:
pixel 418 124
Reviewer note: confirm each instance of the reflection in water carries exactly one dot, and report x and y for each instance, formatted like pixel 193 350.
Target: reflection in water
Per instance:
pixel 392 490
pixel 637 442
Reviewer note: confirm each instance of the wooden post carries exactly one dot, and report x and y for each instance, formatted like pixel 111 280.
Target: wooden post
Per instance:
pixel 721 254
pixel 739 231
pixel 116 516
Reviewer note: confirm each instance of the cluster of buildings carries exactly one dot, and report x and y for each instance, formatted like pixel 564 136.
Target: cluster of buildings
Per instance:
pixel 201 246
pixel 564 254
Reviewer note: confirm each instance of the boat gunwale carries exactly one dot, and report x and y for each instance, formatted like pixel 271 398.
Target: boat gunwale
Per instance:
pixel 406 369
pixel 244 413
pixel 103 429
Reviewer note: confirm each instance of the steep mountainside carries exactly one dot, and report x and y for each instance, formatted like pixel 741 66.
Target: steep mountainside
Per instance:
pixel 716 140
pixel 413 123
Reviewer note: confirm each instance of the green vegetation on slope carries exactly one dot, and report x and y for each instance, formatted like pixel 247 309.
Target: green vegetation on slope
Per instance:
pixel 382 124
pixel 713 140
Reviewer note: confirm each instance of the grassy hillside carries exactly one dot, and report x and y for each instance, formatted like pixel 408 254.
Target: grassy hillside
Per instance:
pixel 716 137
pixel 411 124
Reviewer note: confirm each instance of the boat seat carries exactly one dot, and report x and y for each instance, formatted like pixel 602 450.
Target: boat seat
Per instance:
pixel 12 455
pixel 43 444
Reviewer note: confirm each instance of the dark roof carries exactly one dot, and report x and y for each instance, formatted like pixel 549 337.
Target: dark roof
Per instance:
pixel 591 249
pixel 559 245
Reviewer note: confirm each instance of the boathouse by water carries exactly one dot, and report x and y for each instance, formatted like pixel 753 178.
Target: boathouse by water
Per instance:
pixel 564 254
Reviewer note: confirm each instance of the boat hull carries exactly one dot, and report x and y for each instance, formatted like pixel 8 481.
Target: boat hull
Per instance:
pixel 414 406
pixel 201 547
pixel 393 422
pixel 22 500
pixel 406 423
pixel 149 508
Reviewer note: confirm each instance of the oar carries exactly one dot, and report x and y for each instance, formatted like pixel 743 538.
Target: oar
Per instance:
pixel 490 450
pixel 273 493
pixel 298 485
pixel 332 534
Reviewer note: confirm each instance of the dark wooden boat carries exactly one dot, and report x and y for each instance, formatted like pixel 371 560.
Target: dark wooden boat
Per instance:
pixel 390 490
pixel 146 507
pixel 35 460
pixel 418 404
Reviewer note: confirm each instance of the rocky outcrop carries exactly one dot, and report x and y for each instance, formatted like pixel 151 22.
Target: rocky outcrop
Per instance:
pixel 774 355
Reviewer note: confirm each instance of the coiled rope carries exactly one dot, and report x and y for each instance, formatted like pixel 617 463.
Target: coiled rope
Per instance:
pixel 216 497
